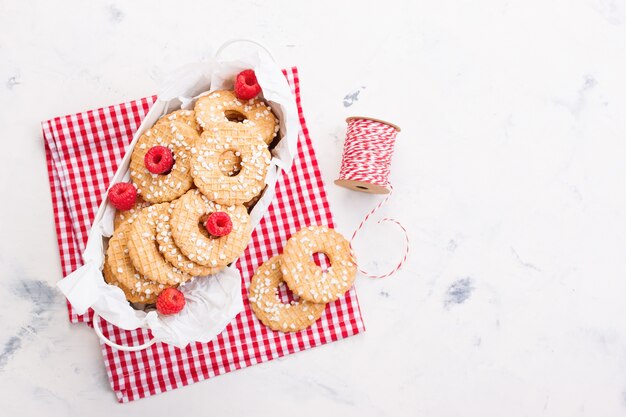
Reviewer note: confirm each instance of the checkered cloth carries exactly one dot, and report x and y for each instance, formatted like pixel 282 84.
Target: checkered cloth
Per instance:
pixel 83 151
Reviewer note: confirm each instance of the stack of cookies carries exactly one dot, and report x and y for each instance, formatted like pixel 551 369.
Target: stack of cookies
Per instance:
pixel 313 285
pixel 195 175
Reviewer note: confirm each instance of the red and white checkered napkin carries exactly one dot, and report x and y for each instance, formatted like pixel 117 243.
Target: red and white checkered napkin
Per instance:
pixel 83 151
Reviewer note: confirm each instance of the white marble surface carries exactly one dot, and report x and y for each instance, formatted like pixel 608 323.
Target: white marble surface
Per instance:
pixel 510 175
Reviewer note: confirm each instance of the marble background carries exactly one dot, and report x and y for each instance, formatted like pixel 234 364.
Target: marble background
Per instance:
pixel 510 175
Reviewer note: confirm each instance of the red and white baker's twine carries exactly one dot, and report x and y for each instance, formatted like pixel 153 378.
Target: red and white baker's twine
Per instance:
pixel 367 153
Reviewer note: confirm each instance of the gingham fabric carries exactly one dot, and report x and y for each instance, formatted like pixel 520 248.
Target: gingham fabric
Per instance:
pixel 83 151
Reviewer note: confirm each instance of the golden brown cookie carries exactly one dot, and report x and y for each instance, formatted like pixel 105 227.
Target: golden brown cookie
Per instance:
pixel 121 215
pixel 122 270
pixel 252 202
pixel 222 109
pixel 143 248
pixel 185 116
pixel 307 279
pixel 267 306
pixel 224 189
pixel 156 188
pixel 130 294
pixel 190 235
pixel 172 253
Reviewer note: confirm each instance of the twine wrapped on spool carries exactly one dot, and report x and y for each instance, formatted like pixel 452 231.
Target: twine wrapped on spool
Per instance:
pixel 367 153
pixel 366 167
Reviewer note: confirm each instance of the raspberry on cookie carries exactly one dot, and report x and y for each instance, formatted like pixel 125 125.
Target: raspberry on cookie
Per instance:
pixel 180 139
pixel 123 195
pixel 218 224
pixel 159 160
pixel 191 237
pixel 172 253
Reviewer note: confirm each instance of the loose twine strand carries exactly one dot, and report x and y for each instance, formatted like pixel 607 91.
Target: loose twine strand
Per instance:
pixel 367 154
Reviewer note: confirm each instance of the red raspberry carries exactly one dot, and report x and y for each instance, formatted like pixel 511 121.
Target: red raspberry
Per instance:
pixel 123 195
pixel 246 85
pixel 159 160
pixel 219 224
pixel 170 301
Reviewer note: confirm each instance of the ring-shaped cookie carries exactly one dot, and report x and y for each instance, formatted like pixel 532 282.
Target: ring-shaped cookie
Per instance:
pixel 190 235
pixel 130 294
pixel 143 248
pixel 225 189
pixel 222 109
pixel 267 306
pixel 156 188
pixel 172 253
pixel 121 270
pixel 307 279
pixel 187 117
